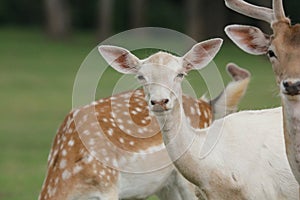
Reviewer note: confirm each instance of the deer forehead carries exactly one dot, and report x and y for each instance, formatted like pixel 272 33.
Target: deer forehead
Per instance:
pixel 163 62
pixel 286 42
pixel 286 36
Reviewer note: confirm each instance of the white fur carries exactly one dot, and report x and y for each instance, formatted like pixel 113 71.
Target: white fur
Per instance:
pixel 166 183
pixel 250 149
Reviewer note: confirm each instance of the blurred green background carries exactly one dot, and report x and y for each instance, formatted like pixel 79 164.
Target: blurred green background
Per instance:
pixel 39 59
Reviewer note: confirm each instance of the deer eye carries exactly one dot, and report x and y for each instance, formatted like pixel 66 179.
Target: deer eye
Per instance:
pixel 271 54
pixel 141 77
pixel 180 75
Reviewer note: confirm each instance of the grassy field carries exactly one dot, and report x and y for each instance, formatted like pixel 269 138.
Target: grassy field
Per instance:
pixel 36 81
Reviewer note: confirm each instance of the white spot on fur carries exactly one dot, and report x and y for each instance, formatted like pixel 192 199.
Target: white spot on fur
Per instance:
pixel 92 141
pixel 205 124
pixel 68 122
pixel 110 131
pixel 86 132
pixel 102 173
pixel 71 143
pixel 51 191
pixel 75 112
pixel 140 131
pixel 77 169
pixel 154 149
pixel 192 110
pixel 113 115
pixel 93 153
pixel 133 112
pixel 64 152
pixel 66 174
pixel 85 118
pixel 115 163
pixel 98 133
pixel 56 180
pixel 128 131
pixel 70 130
pixel 88 159
pixel 119 105
pixel 148 118
pixel 94 103
pixel 138 109
pixel 50 155
pixel 62 164
pixel 205 114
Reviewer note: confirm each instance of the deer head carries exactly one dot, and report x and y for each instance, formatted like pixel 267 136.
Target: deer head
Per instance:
pixel 282 47
pixel 162 73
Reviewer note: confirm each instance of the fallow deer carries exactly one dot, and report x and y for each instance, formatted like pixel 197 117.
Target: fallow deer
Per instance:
pixel 240 156
pixel 283 50
pixel 112 149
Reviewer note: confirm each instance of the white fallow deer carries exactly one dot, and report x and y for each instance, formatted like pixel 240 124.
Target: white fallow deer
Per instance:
pixel 238 157
pixel 283 50
pixel 84 163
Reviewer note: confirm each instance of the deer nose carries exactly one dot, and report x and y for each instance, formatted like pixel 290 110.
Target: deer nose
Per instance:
pixel 291 88
pixel 162 102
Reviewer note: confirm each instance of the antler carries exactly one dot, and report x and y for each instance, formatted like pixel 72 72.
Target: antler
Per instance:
pixel 257 12
pixel 278 10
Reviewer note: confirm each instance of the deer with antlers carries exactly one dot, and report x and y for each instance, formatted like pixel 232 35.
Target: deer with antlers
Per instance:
pixel 283 50
pixel 112 149
pixel 240 156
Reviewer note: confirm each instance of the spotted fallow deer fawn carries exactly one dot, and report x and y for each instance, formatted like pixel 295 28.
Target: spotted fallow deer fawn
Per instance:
pixel 113 149
pixel 240 156
pixel 283 50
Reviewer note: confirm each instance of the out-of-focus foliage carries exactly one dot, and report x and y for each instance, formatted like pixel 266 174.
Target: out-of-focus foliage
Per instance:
pixel 166 13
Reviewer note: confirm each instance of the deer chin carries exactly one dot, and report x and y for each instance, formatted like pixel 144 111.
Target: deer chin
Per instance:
pixel 159 109
pixel 290 97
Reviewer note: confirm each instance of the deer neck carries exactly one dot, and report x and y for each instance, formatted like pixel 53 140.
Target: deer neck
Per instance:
pixel 180 139
pixel 291 124
pixel 172 124
pixel 171 121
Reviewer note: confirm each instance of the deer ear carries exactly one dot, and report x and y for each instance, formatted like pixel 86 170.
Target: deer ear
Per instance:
pixel 201 54
pixel 120 59
pixel 250 39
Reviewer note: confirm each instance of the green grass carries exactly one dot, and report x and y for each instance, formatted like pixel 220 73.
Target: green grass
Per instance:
pixel 36 82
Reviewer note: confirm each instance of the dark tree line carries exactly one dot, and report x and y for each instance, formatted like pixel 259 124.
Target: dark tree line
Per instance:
pixel 198 18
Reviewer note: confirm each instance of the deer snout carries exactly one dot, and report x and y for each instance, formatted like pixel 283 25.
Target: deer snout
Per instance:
pixel 159 105
pixel 291 87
